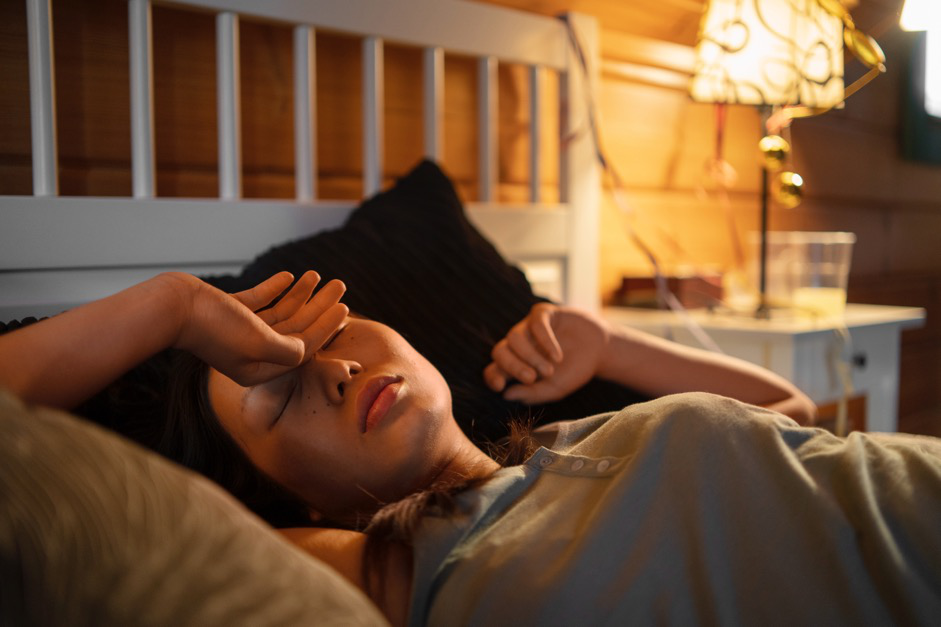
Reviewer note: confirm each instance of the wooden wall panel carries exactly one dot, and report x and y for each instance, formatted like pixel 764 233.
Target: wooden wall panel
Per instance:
pixel 869 223
pixel 15 168
pixel 913 242
pixel 185 103
pixel 93 100
pixel 339 115
pixel 267 99
pixel 848 162
pixel 403 109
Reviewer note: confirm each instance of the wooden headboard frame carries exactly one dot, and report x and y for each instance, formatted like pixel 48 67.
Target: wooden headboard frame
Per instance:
pixel 56 252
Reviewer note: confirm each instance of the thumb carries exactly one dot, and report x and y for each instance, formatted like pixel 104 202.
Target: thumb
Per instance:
pixel 285 350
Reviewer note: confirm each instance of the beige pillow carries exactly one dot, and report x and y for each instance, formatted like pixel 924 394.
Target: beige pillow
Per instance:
pixel 95 530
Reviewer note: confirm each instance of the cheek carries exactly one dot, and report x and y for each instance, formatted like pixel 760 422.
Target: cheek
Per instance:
pixel 296 460
pixel 325 470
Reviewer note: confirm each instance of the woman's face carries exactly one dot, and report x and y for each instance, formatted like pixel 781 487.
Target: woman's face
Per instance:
pixel 367 420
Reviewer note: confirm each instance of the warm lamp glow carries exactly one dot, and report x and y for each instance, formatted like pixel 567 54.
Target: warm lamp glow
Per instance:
pixel 921 15
pixel 769 52
pixel 926 15
pixel 933 72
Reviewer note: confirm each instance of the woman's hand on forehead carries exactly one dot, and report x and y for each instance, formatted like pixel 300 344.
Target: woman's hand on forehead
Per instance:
pixel 237 336
pixel 312 318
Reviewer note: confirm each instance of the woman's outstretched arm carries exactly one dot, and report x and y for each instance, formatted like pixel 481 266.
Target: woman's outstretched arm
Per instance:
pixel 555 350
pixel 66 359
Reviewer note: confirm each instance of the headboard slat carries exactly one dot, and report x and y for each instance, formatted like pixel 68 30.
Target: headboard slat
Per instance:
pixel 168 231
pixel 42 97
pixel 580 172
pixel 535 122
pixel 433 113
pixel 204 237
pixel 373 100
pixel 467 28
pixel 142 88
pixel 487 122
pixel 98 232
pixel 228 102
pixel 305 114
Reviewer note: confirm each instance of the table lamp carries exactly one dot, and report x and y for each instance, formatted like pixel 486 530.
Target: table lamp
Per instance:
pixel 783 56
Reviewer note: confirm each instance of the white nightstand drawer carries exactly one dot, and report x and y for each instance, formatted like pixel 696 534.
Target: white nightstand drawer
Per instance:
pixel 804 351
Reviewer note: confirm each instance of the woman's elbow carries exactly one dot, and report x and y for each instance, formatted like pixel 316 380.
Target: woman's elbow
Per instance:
pixel 798 407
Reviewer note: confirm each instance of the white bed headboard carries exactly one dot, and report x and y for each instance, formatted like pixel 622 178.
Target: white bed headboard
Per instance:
pixel 57 251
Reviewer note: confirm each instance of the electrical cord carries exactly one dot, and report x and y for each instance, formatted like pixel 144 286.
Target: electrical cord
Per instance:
pixel 664 295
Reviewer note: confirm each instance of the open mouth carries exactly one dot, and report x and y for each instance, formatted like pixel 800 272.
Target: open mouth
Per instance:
pixel 375 400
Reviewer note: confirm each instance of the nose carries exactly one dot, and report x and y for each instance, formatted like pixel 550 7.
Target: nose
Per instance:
pixel 334 376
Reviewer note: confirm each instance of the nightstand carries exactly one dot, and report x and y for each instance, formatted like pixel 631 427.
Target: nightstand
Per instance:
pixel 801 349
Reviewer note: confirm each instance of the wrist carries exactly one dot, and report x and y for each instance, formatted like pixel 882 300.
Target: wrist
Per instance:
pixel 608 365
pixel 173 293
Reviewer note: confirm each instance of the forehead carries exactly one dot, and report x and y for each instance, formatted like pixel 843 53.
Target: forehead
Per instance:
pixel 358 322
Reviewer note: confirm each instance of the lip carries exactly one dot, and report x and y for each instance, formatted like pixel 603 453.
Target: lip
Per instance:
pixel 374 401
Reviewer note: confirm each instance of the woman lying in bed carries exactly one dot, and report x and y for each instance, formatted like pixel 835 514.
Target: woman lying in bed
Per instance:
pixel 689 508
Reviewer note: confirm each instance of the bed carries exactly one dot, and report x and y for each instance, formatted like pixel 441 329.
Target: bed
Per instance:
pixel 58 251
pixel 99 531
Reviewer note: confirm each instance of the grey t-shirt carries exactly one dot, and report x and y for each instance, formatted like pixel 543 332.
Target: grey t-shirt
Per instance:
pixel 693 509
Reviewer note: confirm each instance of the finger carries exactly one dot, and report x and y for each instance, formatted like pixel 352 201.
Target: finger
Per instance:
pixel 524 347
pixel 273 353
pixel 317 333
pixel 541 329
pixel 539 392
pixel 262 294
pixel 511 363
pixel 278 349
pixel 495 377
pixel 328 296
pixel 293 300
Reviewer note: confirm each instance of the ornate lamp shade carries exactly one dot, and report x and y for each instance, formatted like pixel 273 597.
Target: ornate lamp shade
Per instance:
pixel 769 52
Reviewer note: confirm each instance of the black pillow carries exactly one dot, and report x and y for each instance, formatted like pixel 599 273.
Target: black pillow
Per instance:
pixel 411 259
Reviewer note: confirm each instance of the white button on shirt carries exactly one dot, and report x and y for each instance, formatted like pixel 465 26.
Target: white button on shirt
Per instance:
pixel 578 464
pixel 545 461
pixel 603 465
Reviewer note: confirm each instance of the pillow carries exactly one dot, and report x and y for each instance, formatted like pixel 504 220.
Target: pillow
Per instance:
pixel 95 530
pixel 411 259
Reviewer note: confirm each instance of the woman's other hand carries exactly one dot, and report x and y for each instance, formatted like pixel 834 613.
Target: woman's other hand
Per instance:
pixel 243 338
pixel 549 354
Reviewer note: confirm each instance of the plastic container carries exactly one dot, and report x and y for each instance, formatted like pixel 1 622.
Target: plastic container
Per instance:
pixel 807 271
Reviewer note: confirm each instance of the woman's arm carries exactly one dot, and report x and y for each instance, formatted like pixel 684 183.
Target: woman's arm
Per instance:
pixel 657 367
pixel 66 359
pixel 555 350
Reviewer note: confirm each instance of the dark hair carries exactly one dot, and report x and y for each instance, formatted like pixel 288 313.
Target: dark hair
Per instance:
pixel 397 522
pixel 164 405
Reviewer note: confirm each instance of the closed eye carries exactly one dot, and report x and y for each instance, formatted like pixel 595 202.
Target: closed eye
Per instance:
pixel 336 334
pixel 287 401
